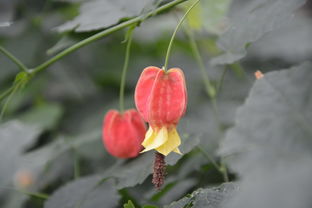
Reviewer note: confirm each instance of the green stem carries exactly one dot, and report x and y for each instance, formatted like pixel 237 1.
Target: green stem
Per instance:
pixel 220 83
pixel 102 34
pixel 175 32
pixel 210 89
pixel 6 93
pixel 36 195
pixel 20 65
pixel 224 171
pixel 5 105
pixel 125 68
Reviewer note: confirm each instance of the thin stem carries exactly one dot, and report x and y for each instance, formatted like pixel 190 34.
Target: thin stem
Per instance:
pixel 20 65
pixel 220 168
pixel 36 195
pixel 6 93
pixel 5 105
pixel 213 162
pixel 210 89
pixel 175 32
pixel 220 83
pixel 224 170
pixel 125 68
pixel 32 194
pixel 103 34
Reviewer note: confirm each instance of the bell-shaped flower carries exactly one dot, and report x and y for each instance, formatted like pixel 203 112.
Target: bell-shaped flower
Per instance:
pixel 161 99
pixel 123 133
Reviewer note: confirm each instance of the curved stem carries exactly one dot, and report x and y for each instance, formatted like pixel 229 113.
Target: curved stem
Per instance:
pixel 102 34
pixel 125 68
pixel 175 32
pixel 20 65
pixel 210 89
pixel 5 105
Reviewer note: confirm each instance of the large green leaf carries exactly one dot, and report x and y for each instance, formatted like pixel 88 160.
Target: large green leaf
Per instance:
pixel 250 22
pixel 270 147
pixel 84 193
pixel 206 198
pixel 98 14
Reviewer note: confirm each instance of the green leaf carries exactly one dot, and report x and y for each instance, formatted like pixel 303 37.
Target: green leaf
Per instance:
pixel 137 170
pixel 270 146
pixel 45 116
pixel 99 14
pixel 209 15
pixel 250 22
pixel 129 205
pixel 206 198
pixel 84 193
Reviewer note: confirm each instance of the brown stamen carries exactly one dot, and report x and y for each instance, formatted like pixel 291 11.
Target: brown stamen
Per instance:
pixel 159 170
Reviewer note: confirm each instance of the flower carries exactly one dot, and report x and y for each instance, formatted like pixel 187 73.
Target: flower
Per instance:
pixel 161 99
pixel 123 133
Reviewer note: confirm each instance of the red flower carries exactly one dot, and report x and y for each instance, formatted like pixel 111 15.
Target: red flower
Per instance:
pixel 161 99
pixel 123 133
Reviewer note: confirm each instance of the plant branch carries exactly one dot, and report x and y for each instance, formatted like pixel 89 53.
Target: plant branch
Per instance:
pixel 175 32
pixel 125 68
pixel 210 89
pixel 20 65
pixel 103 34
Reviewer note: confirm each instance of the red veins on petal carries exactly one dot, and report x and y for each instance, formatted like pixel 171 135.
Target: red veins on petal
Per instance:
pixel 123 133
pixel 161 96
pixel 144 88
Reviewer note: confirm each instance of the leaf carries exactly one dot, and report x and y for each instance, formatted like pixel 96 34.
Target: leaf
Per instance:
pixel 45 116
pixel 85 192
pixel 249 23
pixel 129 205
pixel 99 14
pixel 137 170
pixel 206 198
pixel 209 15
pixel 15 137
pixel 270 146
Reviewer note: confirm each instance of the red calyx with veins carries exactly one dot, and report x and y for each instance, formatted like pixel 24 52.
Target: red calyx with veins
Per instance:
pixel 161 99
pixel 123 133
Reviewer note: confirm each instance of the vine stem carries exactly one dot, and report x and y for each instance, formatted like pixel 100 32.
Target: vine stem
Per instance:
pixel 210 89
pixel 175 32
pixel 125 69
pixel 102 34
pixel 15 60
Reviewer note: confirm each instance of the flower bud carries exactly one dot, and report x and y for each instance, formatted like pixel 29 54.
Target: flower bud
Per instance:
pixel 123 133
pixel 161 99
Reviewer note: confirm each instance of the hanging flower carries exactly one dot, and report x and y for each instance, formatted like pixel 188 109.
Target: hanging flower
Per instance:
pixel 161 99
pixel 123 133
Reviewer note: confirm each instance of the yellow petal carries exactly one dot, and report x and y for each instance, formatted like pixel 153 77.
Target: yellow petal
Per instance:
pixel 171 144
pixel 155 139
pixel 148 136
pixel 177 150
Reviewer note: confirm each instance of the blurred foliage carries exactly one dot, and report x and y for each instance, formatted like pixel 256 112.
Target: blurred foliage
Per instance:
pixel 50 136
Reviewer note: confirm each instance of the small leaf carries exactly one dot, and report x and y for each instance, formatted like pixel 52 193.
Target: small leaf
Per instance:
pixel 129 205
